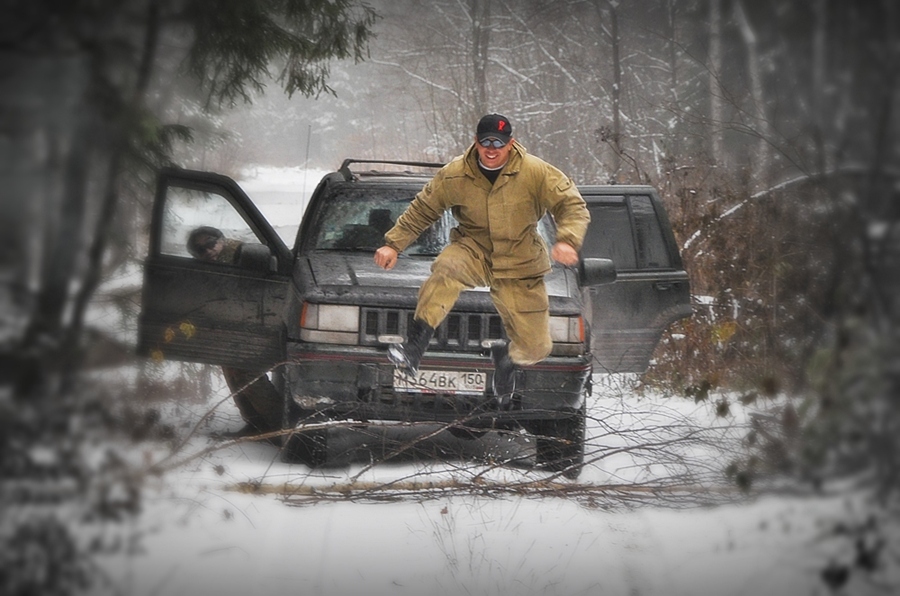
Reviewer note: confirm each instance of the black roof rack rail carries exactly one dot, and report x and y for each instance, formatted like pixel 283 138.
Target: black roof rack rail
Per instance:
pixel 348 175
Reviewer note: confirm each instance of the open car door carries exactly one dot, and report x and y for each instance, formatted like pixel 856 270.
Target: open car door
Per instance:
pixel 629 225
pixel 226 313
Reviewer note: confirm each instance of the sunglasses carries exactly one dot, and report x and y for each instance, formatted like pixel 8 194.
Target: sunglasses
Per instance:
pixel 495 143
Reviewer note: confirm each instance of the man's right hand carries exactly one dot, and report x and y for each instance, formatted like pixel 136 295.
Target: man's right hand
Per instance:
pixel 386 257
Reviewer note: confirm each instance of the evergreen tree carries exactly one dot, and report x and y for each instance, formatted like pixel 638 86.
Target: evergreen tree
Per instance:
pixel 86 85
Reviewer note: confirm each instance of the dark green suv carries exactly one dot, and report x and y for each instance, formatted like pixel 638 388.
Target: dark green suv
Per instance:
pixel 321 315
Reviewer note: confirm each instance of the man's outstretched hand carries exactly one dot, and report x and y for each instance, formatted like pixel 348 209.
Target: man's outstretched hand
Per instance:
pixel 386 257
pixel 562 252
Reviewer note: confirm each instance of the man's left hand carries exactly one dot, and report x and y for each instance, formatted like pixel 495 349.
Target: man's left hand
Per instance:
pixel 564 253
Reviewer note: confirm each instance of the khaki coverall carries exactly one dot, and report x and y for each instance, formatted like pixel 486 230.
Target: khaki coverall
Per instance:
pixel 496 243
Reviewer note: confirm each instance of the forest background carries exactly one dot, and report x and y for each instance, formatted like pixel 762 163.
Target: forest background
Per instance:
pixel 770 129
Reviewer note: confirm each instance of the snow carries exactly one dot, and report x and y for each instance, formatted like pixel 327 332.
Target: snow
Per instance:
pixel 237 520
pixel 651 514
pixel 281 195
pixel 467 545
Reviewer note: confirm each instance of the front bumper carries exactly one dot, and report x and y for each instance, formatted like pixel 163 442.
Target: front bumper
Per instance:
pixel 357 383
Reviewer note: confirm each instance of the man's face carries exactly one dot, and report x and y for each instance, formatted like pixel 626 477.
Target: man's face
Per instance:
pixel 209 248
pixel 493 157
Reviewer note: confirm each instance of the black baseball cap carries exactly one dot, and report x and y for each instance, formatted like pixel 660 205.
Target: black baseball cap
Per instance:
pixel 494 126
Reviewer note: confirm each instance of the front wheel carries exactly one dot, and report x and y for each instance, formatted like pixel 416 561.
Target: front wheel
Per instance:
pixel 560 444
pixel 304 446
pixel 308 447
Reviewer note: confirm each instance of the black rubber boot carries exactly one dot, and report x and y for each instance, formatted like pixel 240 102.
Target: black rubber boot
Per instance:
pixel 504 383
pixel 406 356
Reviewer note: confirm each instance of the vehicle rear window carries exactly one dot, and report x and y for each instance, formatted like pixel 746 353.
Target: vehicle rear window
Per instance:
pixel 626 230
pixel 610 234
pixel 651 248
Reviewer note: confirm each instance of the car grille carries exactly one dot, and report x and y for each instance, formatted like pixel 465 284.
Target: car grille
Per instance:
pixel 459 332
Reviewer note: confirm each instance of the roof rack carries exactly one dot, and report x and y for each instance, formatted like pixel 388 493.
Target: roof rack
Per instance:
pixel 348 175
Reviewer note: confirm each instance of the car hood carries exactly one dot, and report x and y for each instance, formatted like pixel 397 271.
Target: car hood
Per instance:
pixel 360 270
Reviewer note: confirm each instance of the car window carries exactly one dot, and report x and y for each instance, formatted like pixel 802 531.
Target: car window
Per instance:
pixel 648 238
pixel 626 230
pixel 187 209
pixel 610 233
pixel 355 219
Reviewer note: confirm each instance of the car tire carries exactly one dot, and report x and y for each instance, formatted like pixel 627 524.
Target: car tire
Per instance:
pixel 309 447
pixel 560 444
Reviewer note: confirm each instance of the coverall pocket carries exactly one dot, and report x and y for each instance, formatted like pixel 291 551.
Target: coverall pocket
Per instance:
pixel 564 185
pixel 531 296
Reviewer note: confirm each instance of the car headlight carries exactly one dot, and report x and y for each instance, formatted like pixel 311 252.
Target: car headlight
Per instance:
pixel 567 334
pixel 329 323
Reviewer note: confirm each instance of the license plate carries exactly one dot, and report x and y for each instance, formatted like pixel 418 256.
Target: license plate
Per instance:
pixel 441 381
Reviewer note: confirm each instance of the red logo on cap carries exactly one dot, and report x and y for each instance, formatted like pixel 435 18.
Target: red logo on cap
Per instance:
pixel 500 125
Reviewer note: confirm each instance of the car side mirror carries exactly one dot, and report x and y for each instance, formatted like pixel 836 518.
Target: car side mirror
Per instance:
pixel 257 257
pixel 596 272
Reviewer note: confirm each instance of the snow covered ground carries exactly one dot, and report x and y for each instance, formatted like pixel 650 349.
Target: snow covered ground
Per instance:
pixel 236 520
pixel 652 513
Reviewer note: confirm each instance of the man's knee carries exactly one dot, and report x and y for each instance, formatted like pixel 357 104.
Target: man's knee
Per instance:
pixel 451 267
pixel 534 350
pixel 459 263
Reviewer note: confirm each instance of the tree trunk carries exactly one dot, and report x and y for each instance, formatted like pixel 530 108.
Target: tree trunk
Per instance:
pixel 672 47
pixel 115 145
pixel 819 56
pixel 716 105
pixel 761 161
pixel 611 7
pixel 481 34
pixel 43 223
pixel 617 87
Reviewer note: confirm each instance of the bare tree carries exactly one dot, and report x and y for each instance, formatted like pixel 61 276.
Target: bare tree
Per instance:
pixel 819 49
pixel 481 38
pixel 104 60
pixel 609 9
pixel 716 101
pixel 758 124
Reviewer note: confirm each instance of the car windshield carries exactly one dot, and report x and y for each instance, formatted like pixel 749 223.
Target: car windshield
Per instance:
pixel 356 220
